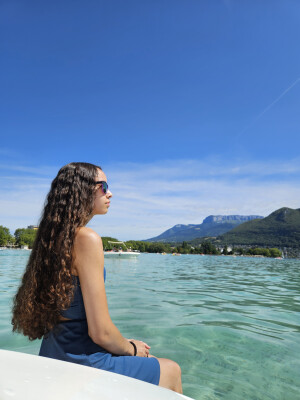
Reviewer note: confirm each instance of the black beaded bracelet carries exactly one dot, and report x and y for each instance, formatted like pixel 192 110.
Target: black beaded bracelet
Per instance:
pixel 134 346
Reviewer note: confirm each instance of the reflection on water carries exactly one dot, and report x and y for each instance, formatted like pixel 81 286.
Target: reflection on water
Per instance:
pixel 231 323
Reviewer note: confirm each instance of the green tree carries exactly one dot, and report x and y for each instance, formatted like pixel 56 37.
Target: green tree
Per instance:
pixel 156 248
pixel 239 251
pixel 136 245
pixel 274 252
pixel 25 236
pixel 262 251
pixel 5 236
pixel 208 248
pixel 225 251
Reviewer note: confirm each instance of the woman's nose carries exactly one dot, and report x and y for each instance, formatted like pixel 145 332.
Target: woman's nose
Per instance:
pixel 109 193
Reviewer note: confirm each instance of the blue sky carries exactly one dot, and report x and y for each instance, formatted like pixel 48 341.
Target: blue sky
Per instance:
pixel 191 107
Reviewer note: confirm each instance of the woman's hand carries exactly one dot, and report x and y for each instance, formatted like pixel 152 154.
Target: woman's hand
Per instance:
pixel 141 347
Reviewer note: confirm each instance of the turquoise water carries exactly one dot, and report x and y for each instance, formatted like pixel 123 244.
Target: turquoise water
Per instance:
pixel 232 324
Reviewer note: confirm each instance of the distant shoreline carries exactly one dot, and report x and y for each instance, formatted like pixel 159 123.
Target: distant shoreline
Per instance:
pixel 228 255
pixel 214 255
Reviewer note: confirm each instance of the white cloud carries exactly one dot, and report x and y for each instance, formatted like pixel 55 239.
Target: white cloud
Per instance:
pixel 151 198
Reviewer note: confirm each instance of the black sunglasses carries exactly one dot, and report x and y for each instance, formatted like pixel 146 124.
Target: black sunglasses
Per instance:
pixel 104 186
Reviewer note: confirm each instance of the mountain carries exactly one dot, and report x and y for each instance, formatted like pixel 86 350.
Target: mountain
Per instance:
pixel 213 225
pixel 279 229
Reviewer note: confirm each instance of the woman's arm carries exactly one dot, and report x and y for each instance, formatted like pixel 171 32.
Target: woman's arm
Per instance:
pixel 89 263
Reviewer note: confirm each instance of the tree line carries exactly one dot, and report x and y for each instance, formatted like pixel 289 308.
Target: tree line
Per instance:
pixel 205 247
pixel 26 237
pixel 21 237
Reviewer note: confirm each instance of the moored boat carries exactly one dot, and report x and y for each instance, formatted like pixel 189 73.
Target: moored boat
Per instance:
pixel 119 251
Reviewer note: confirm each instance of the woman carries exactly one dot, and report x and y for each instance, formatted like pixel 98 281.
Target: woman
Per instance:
pixel 62 295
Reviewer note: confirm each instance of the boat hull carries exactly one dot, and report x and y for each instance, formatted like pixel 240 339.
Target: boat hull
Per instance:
pixel 122 254
pixel 29 377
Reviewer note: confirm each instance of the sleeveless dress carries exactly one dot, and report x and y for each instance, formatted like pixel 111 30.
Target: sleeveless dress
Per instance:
pixel 69 341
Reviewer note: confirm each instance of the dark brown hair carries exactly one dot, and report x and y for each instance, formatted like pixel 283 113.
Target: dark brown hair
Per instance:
pixel 47 286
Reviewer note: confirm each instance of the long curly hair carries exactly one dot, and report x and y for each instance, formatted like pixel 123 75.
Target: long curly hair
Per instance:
pixel 47 286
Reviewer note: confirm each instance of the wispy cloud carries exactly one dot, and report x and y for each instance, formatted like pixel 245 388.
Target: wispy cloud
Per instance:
pixel 268 107
pixel 41 170
pixel 149 198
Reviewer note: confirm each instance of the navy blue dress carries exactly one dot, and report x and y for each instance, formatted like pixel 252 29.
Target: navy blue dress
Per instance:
pixel 69 341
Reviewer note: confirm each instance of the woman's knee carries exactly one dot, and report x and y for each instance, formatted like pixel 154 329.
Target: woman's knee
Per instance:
pixel 170 372
pixel 177 369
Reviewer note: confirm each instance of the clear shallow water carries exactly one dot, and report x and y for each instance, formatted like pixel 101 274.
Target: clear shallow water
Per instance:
pixel 233 324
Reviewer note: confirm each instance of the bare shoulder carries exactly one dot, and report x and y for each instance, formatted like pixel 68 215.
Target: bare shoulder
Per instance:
pixel 87 236
pixel 87 251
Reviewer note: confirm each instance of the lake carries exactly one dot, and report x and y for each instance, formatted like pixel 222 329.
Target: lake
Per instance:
pixel 231 323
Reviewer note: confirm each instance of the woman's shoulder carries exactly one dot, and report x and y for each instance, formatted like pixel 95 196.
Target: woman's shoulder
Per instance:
pixel 87 251
pixel 85 236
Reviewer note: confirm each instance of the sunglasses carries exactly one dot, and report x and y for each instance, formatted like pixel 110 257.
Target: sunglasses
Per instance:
pixel 104 186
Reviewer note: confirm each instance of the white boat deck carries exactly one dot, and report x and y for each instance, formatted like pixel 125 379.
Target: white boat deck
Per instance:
pixel 28 377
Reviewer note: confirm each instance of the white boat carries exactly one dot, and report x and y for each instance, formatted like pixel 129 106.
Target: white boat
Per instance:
pixel 119 252
pixel 123 254
pixel 28 377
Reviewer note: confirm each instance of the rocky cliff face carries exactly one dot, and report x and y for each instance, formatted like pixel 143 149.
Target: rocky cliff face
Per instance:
pixel 219 219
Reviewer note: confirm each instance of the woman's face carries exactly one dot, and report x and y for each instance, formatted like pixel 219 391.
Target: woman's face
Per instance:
pixel 102 200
